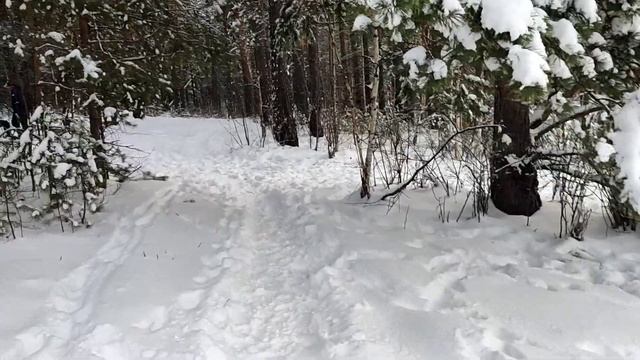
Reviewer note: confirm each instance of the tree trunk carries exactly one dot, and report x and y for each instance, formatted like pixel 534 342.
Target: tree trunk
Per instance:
pixel 366 71
pixel 366 170
pixel 215 96
pixel 315 127
pixel 247 79
pixel 346 70
pixel 95 120
pixel 382 96
pixel 514 189
pixel 330 88
pixel 357 70
pixel 299 83
pixel 285 130
pixel 261 55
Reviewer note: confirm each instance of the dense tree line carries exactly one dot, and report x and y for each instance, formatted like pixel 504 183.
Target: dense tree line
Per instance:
pixel 526 87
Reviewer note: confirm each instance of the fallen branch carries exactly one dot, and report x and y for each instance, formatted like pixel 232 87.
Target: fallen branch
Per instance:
pixel 426 163
pixel 565 120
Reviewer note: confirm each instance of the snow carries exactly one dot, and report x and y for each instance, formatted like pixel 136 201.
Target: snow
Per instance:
pixel 19 48
pixel 588 9
pixel 460 32
pixel 438 68
pixel 626 26
pixel 93 98
pixel 263 253
pixel 25 138
pixel 507 16
pixel 588 66
pixel 604 150
pixel 625 141
pixel 576 125
pixel 597 39
pixel 567 35
pixel 90 67
pixel 452 7
pixel 604 59
pixel 558 101
pixel 559 68
pixel 492 63
pixel 56 36
pixel 415 57
pixel 536 45
pixel 60 170
pixel 538 21
pixel 361 23
pixel 109 112
pixel 466 36
pixel 37 113
pixel 529 68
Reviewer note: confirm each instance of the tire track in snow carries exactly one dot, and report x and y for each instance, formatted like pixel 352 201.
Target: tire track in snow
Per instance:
pixel 73 298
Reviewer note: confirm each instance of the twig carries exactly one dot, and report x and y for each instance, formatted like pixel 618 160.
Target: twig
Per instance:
pixel 402 187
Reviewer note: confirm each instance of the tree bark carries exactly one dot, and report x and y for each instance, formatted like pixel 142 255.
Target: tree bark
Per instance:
pixel 247 79
pixel 299 82
pixel 261 58
pixel 315 101
pixel 357 71
pixel 285 130
pixel 366 170
pixel 95 120
pixel 366 71
pixel 514 188
pixel 346 70
pixel 332 123
pixel 382 96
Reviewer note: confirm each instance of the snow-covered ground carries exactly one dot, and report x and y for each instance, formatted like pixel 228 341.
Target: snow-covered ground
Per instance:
pixel 250 253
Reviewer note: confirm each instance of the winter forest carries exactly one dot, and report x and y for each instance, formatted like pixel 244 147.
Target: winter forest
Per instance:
pixel 319 179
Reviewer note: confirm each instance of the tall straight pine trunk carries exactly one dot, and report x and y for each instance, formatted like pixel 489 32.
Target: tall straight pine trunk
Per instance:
pixel 261 55
pixel 299 87
pixel 285 130
pixel 247 80
pixel 315 97
pixel 95 120
pixel 366 168
pixel 96 126
pixel 514 188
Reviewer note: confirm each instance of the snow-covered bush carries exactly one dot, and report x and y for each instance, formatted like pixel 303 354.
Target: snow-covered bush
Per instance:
pixel 627 147
pixel 57 160
pixel 560 68
pixel 78 66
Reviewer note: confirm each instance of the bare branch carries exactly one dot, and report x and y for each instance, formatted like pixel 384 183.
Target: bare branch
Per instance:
pixel 402 187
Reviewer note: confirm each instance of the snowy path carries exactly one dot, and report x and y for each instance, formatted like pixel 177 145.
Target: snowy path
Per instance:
pixel 258 254
pixel 72 301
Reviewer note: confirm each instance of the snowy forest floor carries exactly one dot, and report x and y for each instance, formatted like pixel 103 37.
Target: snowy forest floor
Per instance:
pixel 263 253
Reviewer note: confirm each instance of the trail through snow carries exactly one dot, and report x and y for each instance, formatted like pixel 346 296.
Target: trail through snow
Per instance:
pixel 249 253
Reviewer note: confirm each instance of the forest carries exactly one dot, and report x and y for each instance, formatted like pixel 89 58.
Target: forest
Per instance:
pixel 496 114
pixel 536 91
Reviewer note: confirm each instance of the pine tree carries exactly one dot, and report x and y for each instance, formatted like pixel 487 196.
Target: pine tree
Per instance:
pixel 524 48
